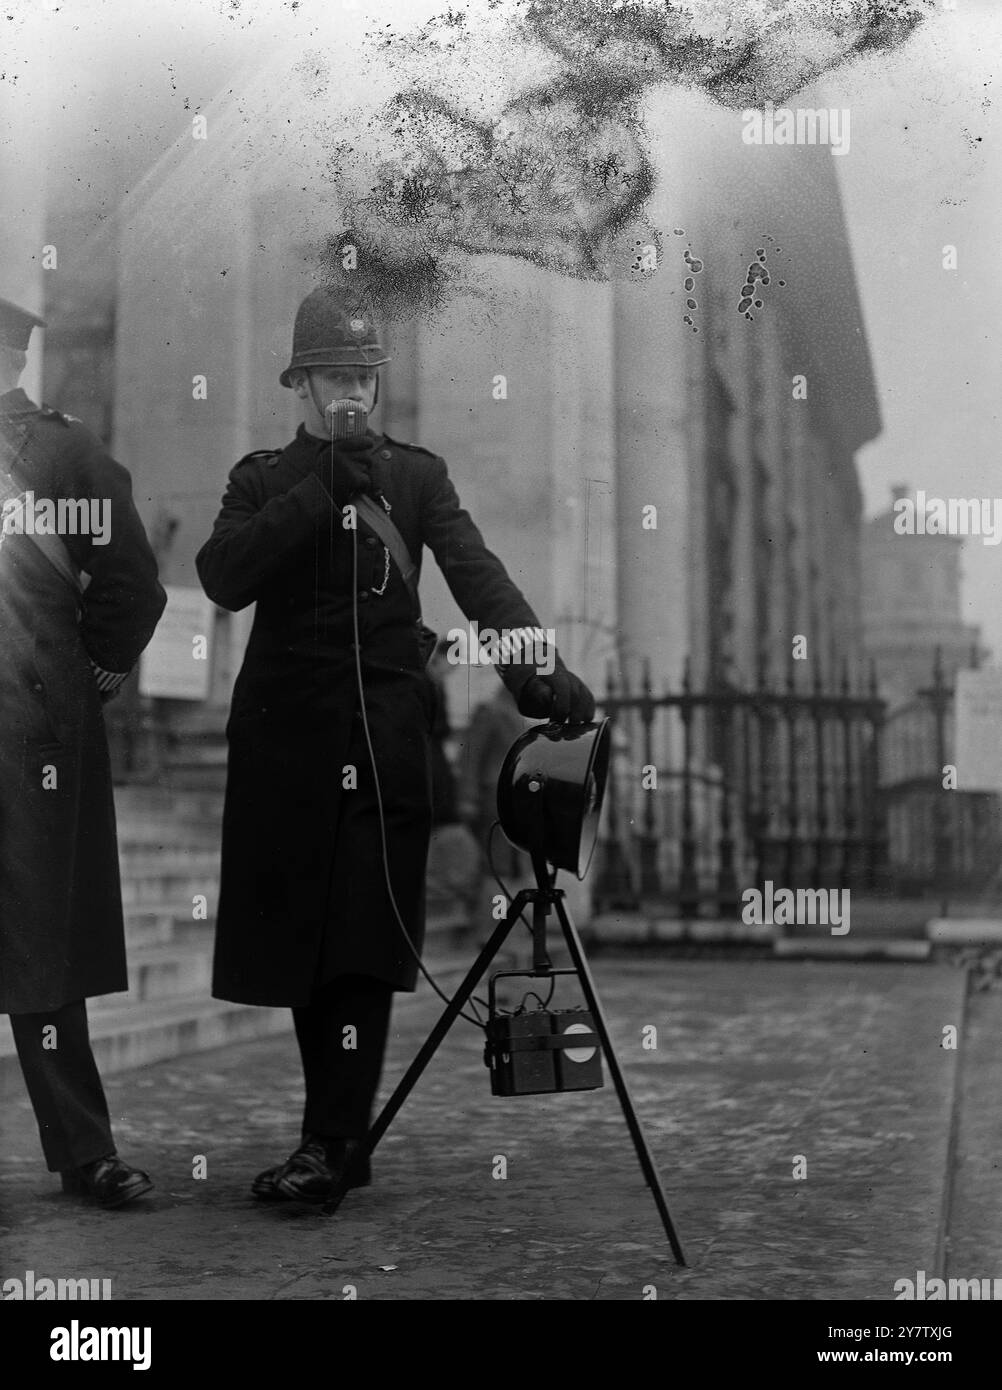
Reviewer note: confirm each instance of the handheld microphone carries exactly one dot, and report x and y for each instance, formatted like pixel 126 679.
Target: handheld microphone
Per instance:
pixel 347 419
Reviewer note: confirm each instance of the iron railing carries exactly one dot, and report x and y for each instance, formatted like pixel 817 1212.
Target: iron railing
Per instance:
pixel 939 835
pixel 714 791
pixel 718 790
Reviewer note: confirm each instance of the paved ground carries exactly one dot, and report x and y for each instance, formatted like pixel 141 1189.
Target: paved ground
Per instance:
pixel 756 1064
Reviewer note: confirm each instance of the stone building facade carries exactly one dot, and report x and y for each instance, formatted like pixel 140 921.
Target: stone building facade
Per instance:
pixel 621 403
pixel 913 607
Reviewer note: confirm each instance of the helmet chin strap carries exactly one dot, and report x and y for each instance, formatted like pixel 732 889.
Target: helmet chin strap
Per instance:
pixel 313 396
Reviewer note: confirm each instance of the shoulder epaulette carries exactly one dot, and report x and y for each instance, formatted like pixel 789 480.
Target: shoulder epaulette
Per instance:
pixel 272 455
pixel 402 444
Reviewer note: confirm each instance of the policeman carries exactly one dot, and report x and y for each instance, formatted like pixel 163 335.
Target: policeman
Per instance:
pixel 78 604
pixel 328 800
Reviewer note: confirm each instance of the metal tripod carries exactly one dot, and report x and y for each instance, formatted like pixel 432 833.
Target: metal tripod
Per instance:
pixel 544 899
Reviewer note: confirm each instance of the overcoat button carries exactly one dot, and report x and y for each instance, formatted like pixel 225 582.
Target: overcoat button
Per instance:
pixel 363 595
pixel 385 454
pixel 371 542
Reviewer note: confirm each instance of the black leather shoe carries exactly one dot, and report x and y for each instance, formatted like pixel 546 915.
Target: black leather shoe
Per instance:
pixel 109 1181
pixel 263 1187
pixel 320 1166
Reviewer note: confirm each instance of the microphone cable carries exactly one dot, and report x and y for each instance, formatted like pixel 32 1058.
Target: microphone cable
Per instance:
pixel 477 1021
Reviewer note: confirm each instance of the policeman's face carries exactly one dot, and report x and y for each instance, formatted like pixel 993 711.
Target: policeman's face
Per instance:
pixel 333 384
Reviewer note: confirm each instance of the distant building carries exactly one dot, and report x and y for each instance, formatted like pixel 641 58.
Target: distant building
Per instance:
pixel 912 587
pixel 914 634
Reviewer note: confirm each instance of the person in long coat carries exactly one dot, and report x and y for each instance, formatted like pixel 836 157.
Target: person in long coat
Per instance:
pixel 494 726
pixel 79 600
pixel 321 903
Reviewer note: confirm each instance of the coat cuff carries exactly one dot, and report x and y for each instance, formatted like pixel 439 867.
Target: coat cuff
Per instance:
pixel 526 646
pixel 108 682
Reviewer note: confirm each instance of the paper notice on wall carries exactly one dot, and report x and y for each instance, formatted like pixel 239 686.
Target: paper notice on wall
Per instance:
pixel 978 740
pixel 177 663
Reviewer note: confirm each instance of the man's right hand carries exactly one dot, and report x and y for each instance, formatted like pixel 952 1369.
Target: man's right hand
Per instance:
pixel 561 697
pixel 342 474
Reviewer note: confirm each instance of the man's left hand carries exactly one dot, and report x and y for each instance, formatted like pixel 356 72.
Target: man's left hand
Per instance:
pixel 560 697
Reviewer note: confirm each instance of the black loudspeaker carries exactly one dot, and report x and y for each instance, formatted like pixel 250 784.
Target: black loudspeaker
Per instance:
pixel 550 791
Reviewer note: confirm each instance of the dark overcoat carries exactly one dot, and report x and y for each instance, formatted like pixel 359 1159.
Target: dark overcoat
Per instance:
pixel 303 895
pixel 61 930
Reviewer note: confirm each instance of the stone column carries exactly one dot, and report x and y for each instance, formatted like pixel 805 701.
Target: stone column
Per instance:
pixel 181 319
pixel 23 142
pixel 581 414
pixel 656 357
pixel 485 403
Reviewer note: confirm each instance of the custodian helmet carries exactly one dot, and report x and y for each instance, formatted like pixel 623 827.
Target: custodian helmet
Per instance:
pixel 329 334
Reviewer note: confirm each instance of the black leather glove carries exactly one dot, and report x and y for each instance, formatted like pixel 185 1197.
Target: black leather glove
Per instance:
pixel 559 697
pixel 343 472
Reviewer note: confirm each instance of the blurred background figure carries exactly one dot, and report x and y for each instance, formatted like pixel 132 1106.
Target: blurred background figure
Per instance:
pixel 494 726
pixel 443 781
pixel 453 862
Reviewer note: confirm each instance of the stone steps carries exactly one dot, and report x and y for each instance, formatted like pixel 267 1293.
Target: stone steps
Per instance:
pixel 171 808
pixel 133 1035
pixel 140 856
pixel 179 887
pixel 168 1012
pixel 169 970
pixel 153 925
pixel 169 854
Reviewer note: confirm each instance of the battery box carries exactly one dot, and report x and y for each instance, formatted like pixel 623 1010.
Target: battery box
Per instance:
pixel 543 1050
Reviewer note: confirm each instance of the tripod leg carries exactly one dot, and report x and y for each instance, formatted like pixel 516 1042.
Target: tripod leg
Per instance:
pixel 412 1075
pixel 619 1081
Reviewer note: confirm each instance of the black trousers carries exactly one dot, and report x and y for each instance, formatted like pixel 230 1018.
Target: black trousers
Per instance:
pixel 64 1086
pixel 342 1036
